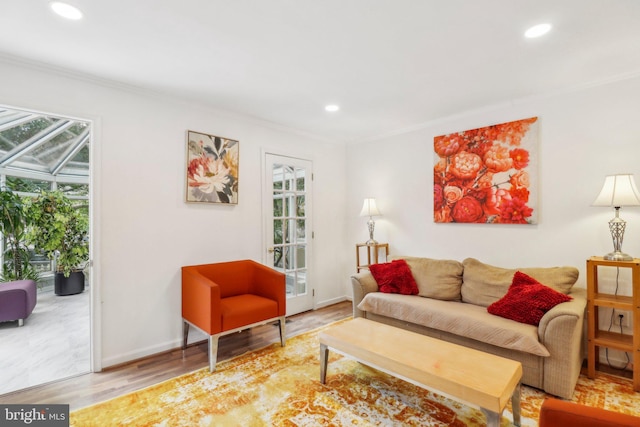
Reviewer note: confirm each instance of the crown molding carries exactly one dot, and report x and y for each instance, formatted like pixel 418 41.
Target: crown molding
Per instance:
pixel 501 105
pixel 161 95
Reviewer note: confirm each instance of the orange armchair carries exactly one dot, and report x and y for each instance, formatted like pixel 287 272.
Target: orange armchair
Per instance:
pixel 560 413
pixel 228 297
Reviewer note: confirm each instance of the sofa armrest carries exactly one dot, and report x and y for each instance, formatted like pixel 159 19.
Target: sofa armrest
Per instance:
pixel 561 332
pixel 362 283
pixel 574 308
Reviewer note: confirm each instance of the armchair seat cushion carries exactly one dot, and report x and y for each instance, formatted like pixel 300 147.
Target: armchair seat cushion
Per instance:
pixel 243 310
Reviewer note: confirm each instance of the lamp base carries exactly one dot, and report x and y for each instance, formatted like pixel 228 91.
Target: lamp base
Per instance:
pixel 617 226
pixel 371 224
pixel 618 256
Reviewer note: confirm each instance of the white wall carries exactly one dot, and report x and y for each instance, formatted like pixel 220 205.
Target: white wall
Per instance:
pixel 144 230
pixel 584 135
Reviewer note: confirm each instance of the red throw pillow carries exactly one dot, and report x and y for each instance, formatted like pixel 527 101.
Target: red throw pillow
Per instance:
pixel 394 277
pixel 527 300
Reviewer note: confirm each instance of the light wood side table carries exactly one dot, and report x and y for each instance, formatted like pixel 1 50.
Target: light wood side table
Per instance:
pixel 629 304
pixel 373 254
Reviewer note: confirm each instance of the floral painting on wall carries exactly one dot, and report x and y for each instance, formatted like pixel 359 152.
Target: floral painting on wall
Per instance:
pixel 212 168
pixel 487 175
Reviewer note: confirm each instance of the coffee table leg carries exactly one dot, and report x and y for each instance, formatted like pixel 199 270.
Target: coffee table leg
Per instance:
pixel 515 405
pixel 493 418
pixel 324 356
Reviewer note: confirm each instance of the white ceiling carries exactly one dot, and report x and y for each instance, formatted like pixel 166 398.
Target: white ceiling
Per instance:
pixel 389 64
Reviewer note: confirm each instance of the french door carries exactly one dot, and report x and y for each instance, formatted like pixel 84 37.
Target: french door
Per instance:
pixel 287 207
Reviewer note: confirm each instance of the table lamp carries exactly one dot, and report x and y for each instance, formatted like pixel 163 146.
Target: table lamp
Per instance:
pixel 618 191
pixel 370 209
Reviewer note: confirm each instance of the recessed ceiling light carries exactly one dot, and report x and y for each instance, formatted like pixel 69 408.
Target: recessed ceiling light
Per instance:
pixel 332 107
pixel 66 10
pixel 537 31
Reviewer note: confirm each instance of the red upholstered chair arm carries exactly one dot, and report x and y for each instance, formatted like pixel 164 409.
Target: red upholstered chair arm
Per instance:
pixel 269 283
pixel 201 301
pixel 560 413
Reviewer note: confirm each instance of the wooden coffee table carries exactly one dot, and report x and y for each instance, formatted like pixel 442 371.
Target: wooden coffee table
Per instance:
pixel 471 376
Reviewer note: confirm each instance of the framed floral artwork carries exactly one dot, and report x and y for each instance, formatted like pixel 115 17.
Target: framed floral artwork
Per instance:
pixel 212 168
pixel 487 175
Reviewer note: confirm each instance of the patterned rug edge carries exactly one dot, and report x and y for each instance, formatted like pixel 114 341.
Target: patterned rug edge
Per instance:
pixel 220 365
pixel 258 378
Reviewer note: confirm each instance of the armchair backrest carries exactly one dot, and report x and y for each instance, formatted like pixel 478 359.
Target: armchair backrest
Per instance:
pixel 233 278
pixel 556 412
pixel 238 277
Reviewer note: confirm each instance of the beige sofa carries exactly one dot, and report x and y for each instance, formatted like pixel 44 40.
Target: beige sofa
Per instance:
pixel 452 305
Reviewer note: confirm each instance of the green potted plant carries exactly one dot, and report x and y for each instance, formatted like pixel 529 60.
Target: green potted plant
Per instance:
pixel 60 231
pixel 13 226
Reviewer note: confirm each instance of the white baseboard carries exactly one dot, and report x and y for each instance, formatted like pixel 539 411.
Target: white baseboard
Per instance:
pixel 332 301
pixel 194 336
pixel 617 358
pixel 140 353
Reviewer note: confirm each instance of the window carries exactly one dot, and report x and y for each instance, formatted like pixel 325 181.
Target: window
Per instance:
pixel 44 152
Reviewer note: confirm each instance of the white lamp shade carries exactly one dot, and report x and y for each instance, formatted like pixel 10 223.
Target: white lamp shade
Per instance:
pixel 369 208
pixel 617 191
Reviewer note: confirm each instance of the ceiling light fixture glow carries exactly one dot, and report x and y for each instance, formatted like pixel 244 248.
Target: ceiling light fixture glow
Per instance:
pixel 66 10
pixel 332 108
pixel 537 31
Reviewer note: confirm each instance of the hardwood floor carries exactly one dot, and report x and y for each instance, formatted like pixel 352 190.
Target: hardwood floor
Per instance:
pixel 85 390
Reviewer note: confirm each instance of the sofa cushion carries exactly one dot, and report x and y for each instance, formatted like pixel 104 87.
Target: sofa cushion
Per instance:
pixel 436 278
pixel 484 284
pixel 466 320
pixel 527 300
pixel 394 277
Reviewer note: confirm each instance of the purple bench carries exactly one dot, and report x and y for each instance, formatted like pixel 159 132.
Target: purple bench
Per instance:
pixel 17 300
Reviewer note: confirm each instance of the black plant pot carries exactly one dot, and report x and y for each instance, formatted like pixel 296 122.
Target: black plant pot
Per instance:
pixel 74 284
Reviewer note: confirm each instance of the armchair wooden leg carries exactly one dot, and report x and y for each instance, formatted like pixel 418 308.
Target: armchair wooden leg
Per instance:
pixel 213 352
pixel 185 334
pixel 283 336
